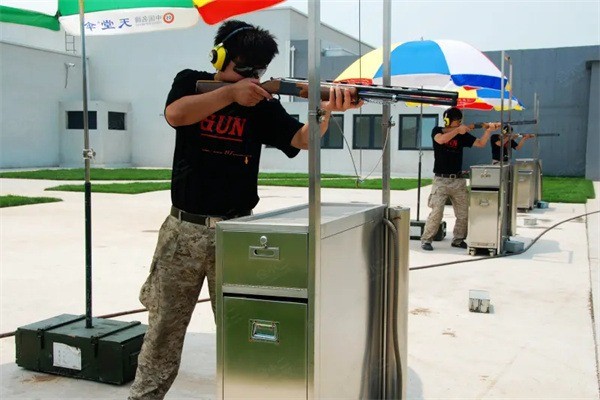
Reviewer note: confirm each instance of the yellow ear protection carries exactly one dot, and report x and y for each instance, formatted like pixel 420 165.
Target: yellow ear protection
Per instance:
pixel 446 121
pixel 447 114
pixel 218 55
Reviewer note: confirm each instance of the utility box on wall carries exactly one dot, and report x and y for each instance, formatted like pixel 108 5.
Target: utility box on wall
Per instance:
pixel 110 137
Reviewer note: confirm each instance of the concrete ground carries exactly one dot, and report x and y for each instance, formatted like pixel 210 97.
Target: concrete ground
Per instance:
pixel 540 341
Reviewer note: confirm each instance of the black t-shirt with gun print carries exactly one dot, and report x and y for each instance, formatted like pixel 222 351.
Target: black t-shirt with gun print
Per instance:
pixel 215 164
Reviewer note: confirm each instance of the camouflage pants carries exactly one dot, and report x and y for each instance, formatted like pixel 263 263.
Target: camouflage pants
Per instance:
pixel 456 190
pixel 184 256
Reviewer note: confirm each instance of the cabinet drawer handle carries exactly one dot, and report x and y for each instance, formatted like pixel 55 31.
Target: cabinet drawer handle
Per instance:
pixel 484 203
pixel 264 331
pixel 260 252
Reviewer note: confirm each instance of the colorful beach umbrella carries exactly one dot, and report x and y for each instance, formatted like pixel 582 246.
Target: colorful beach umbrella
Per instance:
pixel 487 99
pixel 429 64
pixel 114 17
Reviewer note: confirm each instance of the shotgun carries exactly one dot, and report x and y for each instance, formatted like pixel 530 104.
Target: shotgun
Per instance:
pixel 371 93
pixel 538 134
pixel 479 125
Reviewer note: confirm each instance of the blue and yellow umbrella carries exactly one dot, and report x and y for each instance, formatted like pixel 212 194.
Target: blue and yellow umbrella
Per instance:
pixel 429 64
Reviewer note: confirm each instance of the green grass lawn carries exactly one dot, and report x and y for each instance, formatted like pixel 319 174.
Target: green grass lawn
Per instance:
pixel 98 174
pixel 13 201
pixel 126 174
pixel 120 188
pixel 555 189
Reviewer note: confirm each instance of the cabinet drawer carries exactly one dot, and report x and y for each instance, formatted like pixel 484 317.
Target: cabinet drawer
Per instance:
pixel 264 349
pixel 265 259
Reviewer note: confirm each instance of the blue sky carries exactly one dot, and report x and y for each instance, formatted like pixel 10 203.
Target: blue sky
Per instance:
pixel 485 24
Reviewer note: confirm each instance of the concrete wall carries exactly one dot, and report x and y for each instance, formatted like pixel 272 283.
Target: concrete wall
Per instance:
pixel 112 147
pixel 567 94
pixel 351 161
pixel 33 84
pixel 592 159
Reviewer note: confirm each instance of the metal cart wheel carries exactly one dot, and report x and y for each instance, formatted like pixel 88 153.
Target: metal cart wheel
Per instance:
pixel 492 252
pixel 471 251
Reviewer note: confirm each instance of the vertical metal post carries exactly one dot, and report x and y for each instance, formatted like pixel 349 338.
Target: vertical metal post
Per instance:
pixel 502 88
pixel 385 113
pixel 510 69
pixel 387 359
pixel 511 201
pixel 420 139
pixel 87 154
pixel 536 114
pixel 314 193
pixel 502 185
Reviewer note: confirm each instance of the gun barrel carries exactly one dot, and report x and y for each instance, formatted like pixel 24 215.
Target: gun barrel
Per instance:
pixel 528 122
pixel 299 88
pixel 540 134
pixel 511 123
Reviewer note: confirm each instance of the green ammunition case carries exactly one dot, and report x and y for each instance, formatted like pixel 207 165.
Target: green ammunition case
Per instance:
pixel 417 228
pixel 107 352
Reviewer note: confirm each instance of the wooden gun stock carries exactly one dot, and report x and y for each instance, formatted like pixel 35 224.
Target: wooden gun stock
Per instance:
pixel 380 94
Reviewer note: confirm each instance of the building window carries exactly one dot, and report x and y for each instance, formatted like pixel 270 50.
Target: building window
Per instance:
pixel 367 132
pixel 334 137
pixel 116 121
pixel 297 116
pixel 409 131
pixel 75 120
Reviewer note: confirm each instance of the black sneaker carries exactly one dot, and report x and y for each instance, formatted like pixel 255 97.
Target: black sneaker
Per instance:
pixel 427 246
pixel 461 244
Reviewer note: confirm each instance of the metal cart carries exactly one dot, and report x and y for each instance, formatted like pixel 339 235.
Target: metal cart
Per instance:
pixel 312 301
pixel 529 191
pixel 487 208
pixel 288 331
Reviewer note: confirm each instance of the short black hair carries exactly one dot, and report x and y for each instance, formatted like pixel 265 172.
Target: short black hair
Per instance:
pixel 453 114
pixel 507 129
pixel 252 47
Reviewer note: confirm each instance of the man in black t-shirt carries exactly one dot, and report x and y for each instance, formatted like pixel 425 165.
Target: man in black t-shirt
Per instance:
pixel 448 144
pixel 507 134
pixel 218 141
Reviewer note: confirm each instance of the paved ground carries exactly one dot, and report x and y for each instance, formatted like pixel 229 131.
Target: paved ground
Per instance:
pixel 538 342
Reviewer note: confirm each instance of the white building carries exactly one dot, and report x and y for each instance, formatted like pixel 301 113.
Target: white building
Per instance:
pixel 129 77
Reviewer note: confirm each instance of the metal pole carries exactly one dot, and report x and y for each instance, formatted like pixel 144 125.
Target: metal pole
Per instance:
pixel 314 191
pixel 385 112
pixel 510 70
pixel 420 138
pixel 501 110
pixel 536 113
pixel 87 155
pixel 501 189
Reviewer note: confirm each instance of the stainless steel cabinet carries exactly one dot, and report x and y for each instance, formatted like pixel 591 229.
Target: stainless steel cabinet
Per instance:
pixel 488 214
pixel 287 330
pixel 530 182
pixel 484 210
pixel 525 189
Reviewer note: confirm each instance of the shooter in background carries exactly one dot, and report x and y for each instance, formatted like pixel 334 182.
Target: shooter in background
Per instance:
pixel 507 135
pixel 449 182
